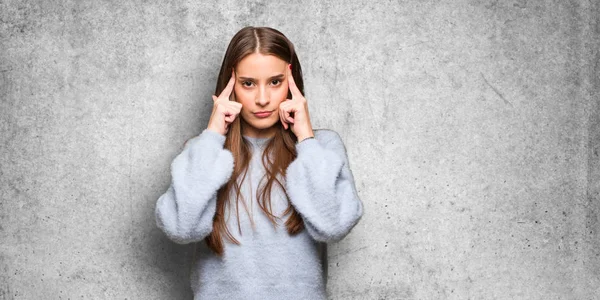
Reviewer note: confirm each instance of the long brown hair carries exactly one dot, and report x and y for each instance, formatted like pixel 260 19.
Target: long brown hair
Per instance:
pixel 279 152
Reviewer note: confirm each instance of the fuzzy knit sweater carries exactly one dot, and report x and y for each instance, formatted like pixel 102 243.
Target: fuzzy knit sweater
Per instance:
pixel 268 263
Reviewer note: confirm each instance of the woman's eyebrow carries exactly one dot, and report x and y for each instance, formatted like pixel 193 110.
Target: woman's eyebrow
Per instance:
pixel 280 76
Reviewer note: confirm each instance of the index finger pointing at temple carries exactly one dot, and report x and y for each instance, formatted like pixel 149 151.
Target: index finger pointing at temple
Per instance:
pixel 292 84
pixel 227 90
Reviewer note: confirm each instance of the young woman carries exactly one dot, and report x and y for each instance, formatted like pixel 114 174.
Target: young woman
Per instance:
pixel 261 168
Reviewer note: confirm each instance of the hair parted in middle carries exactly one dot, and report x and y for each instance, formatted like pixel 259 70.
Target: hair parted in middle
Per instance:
pixel 279 152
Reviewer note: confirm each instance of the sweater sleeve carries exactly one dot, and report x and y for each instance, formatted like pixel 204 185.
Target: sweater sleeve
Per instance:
pixel 185 211
pixel 321 187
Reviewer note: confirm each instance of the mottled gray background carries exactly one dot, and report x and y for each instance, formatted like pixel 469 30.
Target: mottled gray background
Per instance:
pixel 472 127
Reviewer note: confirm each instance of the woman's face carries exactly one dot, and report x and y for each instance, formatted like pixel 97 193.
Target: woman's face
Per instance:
pixel 260 86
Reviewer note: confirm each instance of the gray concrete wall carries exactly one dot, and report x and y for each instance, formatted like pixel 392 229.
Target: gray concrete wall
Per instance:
pixel 472 128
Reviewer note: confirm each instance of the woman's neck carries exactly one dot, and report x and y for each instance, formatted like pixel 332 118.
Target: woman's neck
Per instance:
pixel 253 132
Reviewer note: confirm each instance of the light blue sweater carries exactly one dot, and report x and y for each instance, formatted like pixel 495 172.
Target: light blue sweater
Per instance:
pixel 269 263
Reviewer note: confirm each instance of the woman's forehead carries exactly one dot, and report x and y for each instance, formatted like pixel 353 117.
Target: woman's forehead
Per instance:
pixel 259 66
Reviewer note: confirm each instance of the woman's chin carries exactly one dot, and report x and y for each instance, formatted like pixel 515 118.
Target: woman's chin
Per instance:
pixel 262 124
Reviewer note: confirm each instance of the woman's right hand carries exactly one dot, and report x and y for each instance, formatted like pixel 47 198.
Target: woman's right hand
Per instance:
pixel 224 111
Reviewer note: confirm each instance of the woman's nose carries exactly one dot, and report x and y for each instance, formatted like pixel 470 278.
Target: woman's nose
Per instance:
pixel 262 98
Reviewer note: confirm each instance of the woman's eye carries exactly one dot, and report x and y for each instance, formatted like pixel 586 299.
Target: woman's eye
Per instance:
pixel 247 83
pixel 275 81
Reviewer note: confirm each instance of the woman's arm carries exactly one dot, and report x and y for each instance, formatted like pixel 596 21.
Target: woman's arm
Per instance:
pixel 185 211
pixel 321 187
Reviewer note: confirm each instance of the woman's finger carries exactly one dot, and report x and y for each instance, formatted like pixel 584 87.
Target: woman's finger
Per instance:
pixel 229 88
pixel 287 116
pixel 292 111
pixel 292 84
pixel 281 113
pixel 285 126
pixel 281 118
pixel 237 106
pixel 231 112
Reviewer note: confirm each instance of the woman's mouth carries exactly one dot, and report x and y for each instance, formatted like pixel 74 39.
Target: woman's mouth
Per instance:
pixel 263 114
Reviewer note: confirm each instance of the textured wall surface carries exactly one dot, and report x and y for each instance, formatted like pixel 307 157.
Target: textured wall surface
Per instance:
pixel 472 127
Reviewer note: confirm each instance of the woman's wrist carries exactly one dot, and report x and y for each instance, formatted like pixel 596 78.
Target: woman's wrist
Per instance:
pixel 305 138
pixel 305 134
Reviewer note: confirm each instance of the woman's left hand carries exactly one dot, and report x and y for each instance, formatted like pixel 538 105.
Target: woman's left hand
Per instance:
pixel 293 113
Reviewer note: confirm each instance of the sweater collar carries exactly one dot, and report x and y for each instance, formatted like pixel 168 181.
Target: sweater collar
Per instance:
pixel 255 141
